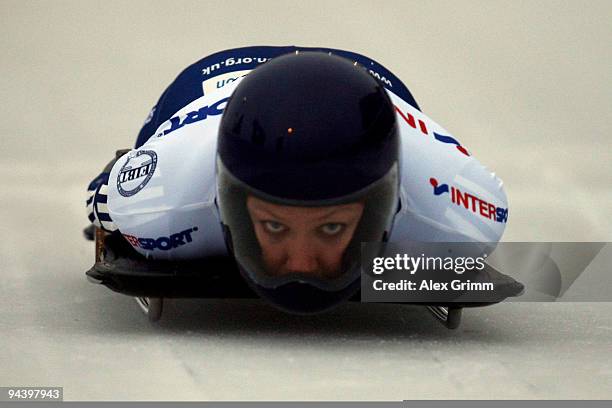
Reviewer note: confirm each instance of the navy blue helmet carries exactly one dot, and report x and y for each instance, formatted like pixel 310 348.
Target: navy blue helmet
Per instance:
pixel 307 169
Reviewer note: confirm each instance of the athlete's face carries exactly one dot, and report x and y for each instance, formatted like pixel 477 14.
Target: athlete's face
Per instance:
pixel 305 240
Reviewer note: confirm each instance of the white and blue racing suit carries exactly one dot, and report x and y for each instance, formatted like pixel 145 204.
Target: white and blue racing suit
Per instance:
pixel 161 194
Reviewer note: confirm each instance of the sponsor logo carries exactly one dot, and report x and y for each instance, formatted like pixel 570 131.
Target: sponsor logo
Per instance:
pixel 228 62
pixel 136 172
pixel 438 188
pixel 412 121
pixel 162 243
pixel 471 202
pixel 219 81
pixel 451 140
pixel 381 78
pixel 178 122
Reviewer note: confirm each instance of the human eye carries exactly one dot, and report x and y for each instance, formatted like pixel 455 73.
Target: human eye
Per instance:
pixel 332 228
pixel 273 227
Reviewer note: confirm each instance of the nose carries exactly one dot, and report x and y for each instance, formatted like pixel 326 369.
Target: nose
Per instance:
pixel 301 257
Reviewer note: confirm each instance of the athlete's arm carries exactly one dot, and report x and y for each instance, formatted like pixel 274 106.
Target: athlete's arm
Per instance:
pixel 97 197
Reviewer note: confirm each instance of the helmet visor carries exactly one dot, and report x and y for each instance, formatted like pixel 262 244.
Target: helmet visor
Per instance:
pixel 278 241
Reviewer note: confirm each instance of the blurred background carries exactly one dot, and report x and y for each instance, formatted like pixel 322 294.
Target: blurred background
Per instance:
pixel 524 85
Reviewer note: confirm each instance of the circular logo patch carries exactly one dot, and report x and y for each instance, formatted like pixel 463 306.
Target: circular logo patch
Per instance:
pixel 136 172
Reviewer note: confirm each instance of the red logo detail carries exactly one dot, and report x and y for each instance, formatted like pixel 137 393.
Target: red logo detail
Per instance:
pixel 132 240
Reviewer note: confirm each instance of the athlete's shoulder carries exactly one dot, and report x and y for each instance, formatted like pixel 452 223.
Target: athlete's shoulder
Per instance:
pixel 446 193
pixel 210 73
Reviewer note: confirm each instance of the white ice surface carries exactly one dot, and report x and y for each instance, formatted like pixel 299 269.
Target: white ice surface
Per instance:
pixel 524 86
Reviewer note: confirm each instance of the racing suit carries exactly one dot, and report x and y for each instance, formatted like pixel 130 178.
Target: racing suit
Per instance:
pixel 161 194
